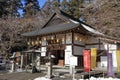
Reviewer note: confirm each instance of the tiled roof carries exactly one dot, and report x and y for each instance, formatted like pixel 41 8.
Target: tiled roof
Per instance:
pixel 53 29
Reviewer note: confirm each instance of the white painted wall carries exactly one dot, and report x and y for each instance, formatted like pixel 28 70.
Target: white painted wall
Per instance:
pixel 112 49
pixel 103 60
pixel 43 53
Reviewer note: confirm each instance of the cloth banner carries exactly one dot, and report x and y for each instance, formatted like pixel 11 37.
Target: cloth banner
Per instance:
pixel 118 60
pixel 86 54
pixel 93 58
pixel 109 65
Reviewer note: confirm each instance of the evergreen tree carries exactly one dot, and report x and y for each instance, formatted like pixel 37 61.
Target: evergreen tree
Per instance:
pixel 15 5
pixel 9 8
pixel 31 7
pixel 2 8
pixel 47 8
pixel 72 7
pixel 64 4
pixel 55 5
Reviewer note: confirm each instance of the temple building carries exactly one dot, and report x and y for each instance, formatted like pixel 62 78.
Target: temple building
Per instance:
pixel 65 36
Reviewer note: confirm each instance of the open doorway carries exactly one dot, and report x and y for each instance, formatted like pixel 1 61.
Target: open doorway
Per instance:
pixel 58 57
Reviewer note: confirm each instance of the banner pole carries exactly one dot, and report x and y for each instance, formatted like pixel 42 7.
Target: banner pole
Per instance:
pixel 89 75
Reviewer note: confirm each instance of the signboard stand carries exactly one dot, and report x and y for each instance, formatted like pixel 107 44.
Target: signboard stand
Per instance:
pixel 73 67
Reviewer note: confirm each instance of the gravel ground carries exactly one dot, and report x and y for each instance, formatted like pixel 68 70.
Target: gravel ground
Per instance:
pixel 20 76
pixel 27 76
pixel 31 76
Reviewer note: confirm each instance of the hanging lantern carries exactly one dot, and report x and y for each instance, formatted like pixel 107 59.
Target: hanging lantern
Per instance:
pixel 36 42
pixel 68 39
pixel 52 37
pixel 57 40
pixel 44 38
pixel 76 37
pixel 28 42
pixel 33 43
pixel 63 39
pixel 40 42
pixel 80 39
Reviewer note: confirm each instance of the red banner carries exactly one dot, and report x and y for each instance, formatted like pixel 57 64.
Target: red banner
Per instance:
pixel 86 61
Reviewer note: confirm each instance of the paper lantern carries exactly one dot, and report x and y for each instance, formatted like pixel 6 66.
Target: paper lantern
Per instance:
pixel 33 43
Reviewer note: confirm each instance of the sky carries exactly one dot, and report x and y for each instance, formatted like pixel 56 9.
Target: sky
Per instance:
pixel 41 2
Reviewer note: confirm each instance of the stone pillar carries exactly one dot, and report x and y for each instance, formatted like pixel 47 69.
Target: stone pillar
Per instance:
pixel 13 62
pixel 71 70
pixel 49 65
pixel 49 73
pixel 21 61
pixel 13 66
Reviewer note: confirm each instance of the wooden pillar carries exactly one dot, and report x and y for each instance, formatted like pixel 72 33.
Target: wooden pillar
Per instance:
pixel 32 63
pixel 99 45
pixel 26 61
pixel 71 67
pixel 72 43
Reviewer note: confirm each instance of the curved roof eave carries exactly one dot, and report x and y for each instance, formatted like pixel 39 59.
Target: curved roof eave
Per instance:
pixel 52 29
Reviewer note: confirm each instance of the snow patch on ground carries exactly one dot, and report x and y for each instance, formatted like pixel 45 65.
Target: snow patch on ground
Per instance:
pixel 92 78
pixel 42 78
pixel 100 78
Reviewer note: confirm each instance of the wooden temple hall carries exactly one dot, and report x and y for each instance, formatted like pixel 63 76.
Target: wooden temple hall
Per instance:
pixel 64 36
